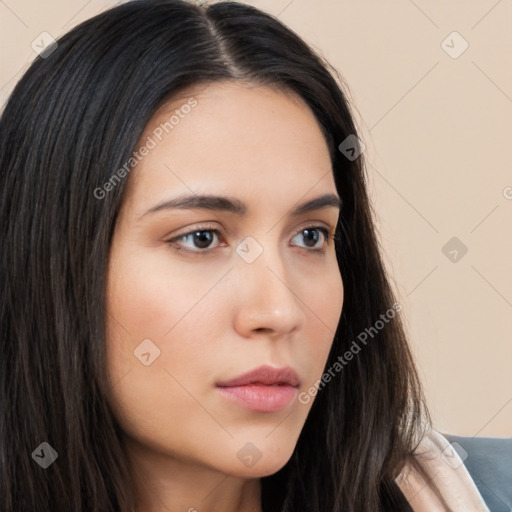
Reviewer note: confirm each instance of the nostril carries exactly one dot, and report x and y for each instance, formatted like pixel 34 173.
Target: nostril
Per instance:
pixel 263 329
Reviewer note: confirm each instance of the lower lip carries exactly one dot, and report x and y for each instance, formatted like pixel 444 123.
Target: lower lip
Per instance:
pixel 259 397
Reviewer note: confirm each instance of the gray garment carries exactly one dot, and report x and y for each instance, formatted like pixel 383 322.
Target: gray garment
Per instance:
pixel 489 462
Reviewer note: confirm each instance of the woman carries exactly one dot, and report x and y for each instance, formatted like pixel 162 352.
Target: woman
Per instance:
pixel 195 313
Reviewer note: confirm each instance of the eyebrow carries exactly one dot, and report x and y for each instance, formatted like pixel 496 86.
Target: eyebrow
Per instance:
pixel 233 205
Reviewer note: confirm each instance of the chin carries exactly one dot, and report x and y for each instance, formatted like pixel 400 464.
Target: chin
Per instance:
pixel 253 462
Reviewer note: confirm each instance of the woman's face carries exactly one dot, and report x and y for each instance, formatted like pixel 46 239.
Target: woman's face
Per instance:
pixel 249 289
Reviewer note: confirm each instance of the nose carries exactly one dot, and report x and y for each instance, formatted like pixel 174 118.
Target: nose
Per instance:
pixel 266 301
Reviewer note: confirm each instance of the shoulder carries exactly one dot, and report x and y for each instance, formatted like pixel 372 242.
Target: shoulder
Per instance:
pixel 445 470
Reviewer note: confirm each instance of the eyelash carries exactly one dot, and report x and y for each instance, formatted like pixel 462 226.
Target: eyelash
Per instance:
pixel 327 236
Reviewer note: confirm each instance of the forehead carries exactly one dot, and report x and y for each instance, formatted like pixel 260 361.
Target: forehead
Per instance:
pixel 234 139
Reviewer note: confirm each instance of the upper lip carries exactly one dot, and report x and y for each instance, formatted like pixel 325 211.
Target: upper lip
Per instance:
pixel 265 375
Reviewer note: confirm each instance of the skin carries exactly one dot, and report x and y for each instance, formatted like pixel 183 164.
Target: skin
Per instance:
pixel 213 315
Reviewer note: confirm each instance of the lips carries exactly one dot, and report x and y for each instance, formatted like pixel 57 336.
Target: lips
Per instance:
pixel 264 389
pixel 265 375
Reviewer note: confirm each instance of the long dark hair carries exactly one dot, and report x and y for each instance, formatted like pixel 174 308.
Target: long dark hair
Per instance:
pixel 72 120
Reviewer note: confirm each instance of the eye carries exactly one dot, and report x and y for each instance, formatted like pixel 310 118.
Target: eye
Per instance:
pixel 310 234
pixel 202 237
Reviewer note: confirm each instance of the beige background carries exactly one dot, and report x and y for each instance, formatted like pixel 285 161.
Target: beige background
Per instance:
pixel 438 135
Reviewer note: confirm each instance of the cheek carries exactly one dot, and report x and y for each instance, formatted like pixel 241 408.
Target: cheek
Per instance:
pixel 140 298
pixel 158 307
pixel 324 306
pixel 325 298
pixel 157 317
pixel 149 293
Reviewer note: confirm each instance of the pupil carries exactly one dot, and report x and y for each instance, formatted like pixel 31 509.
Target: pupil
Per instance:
pixel 315 236
pixel 204 238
